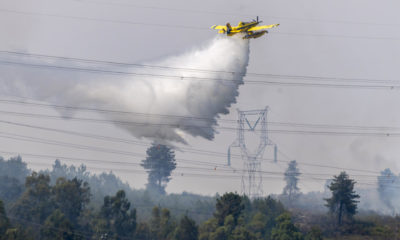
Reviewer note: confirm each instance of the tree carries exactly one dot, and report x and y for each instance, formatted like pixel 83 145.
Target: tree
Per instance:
pixel 291 177
pixel 59 171
pixel 271 209
pixel 118 219
pixel 258 223
pixel 36 203
pixel 242 233
pixel 71 197
pixel 167 226
pixel 142 231
pixel 14 167
pixel 219 234
pixel 159 163
pixel 155 223
pixel 314 234
pixel 207 228
pixel 58 227
pixel 228 204
pixel 187 229
pixel 285 229
pixel 343 200
pixel 18 234
pixel 10 189
pixel 161 225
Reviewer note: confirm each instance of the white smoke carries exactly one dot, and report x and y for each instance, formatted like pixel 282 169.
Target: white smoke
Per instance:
pixel 174 104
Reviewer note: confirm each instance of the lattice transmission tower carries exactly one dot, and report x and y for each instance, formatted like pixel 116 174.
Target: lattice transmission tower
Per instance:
pixel 252 172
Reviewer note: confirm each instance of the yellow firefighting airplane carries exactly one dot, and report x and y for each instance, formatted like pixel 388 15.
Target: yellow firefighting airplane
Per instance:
pixel 249 28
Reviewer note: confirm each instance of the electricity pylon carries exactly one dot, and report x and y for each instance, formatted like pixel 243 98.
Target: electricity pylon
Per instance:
pixel 252 172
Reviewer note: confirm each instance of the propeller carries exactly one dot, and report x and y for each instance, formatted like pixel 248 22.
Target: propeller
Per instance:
pixel 257 20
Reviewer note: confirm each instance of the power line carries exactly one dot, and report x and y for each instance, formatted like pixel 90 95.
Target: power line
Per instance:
pixel 373 83
pixel 194 118
pixel 32 139
pixel 85 60
pixel 190 150
pixel 112 151
pixel 66 144
pixel 336 36
pixel 202 152
pixel 238 14
pixel 123 163
pixel 93 19
pixel 254 74
pixel 92 148
pixel 215 172
pixel 289 159
pixel 39 140
pixel 99 19
pixel 191 173
pixel 188 126
pixel 270 177
pixel 234 81
pixel 197 151
pixel 109 111
pixel 176 174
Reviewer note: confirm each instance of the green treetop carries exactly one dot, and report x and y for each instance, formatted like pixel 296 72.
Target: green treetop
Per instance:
pixel 343 200
pixel 159 163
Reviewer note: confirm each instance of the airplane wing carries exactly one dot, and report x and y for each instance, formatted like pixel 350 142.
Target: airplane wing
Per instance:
pixel 262 27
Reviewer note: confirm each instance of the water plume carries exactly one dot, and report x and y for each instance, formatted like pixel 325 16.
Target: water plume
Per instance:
pixel 183 96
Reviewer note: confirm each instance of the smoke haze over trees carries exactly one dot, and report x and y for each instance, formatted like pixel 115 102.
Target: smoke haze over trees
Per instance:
pixel 388 184
pixel 69 202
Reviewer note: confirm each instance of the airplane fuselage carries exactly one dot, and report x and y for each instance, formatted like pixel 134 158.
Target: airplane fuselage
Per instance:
pixel 250 29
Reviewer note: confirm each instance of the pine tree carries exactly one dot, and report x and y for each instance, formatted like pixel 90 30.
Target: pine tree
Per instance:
pixel 155 223
pixel 36 204
pixel 343 200
pixel 160 163
pixel 187 229
pixel 167 225
pixel 291 177
pixel 285 229
pixel 57 226
pixel 119 219
pixel 71 197
pixel 228 204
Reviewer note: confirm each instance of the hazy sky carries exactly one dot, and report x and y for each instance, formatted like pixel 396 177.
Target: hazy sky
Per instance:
pixel 338 39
